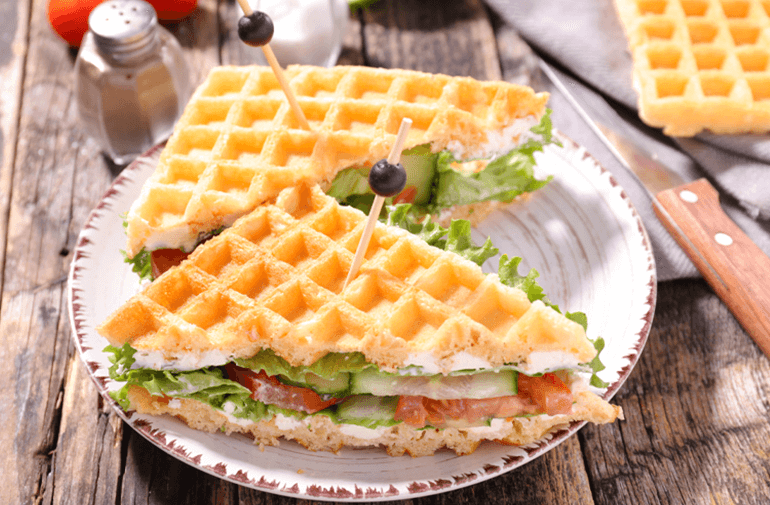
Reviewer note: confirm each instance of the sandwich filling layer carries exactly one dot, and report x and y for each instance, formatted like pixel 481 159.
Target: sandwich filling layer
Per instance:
pixel 357 401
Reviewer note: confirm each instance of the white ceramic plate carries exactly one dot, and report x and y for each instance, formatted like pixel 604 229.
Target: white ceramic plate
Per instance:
pixel 580 232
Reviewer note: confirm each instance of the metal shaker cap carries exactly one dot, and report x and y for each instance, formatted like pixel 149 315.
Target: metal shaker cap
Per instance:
pixel 123 27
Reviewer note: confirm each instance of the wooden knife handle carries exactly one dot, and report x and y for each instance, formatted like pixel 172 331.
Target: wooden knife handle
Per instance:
pixel 737 270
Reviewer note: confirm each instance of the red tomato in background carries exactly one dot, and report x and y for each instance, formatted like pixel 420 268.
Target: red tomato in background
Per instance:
pixel 173 10
pixel 69 18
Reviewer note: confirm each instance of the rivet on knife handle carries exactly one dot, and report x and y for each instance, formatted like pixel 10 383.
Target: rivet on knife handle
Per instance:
pixel 736 269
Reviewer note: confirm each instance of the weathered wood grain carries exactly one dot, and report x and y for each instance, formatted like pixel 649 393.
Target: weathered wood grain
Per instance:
pixel 518 63
pixel 49 150
pixel 87 461
pixel 13 49
pixel 199 35
pixel 696 428
pixel 456 39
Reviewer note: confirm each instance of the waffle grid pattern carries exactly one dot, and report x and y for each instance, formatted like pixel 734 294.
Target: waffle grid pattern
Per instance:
pixel 238 142
pixel 274 280
pixel 700 64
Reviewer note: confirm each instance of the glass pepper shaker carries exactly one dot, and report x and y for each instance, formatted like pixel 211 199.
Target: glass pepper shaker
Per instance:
pixel 131 79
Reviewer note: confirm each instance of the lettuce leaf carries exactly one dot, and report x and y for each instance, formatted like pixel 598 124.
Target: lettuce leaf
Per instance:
pixel 597 365
pixel 121 358
pixel 351 187
pixel 456 238
pixel 508 272
pixel 207 385
pixel 328 367
pixel 504 178
pixel 141 264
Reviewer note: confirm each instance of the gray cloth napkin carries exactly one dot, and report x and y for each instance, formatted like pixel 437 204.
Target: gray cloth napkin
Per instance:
pixel 586 39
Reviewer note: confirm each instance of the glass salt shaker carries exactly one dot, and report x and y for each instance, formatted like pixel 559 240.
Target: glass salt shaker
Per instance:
pixel 131 79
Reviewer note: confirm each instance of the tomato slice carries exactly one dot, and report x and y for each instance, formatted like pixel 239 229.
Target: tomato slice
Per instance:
pixel 164 259
pixel 269 390
pixel 548 392
pixel 417 411
pixel 407 195
pixel 411 410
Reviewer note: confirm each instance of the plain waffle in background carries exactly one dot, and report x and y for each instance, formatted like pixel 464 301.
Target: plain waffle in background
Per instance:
pixel 238 143
pixel 700 64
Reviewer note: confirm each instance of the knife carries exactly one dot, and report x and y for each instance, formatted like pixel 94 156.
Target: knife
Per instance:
pixel 732 264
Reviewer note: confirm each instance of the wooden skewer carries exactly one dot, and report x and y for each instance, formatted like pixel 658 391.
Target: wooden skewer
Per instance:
pixel 363 244
pixel 278 71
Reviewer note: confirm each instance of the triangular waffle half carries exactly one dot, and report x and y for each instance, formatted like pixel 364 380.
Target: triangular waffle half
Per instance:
pixel 274 280
pixel 700 64
pixel 238 142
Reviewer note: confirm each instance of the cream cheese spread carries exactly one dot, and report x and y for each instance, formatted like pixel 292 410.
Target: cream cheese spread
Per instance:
pixel 537 362
pixel 156 360
pixel 428 364
pixel 548 361
pixel 498 142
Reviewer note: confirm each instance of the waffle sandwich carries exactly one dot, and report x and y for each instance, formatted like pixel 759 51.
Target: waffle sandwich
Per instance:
pixel 255 333
pixel 238 142
pixel 700 64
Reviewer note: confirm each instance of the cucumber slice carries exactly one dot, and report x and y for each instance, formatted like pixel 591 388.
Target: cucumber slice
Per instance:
pixel 420 166
pixel 368 411
pixel 337 386
pixel 488 384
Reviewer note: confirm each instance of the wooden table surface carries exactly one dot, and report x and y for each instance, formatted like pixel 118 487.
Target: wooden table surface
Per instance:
pixel 697 405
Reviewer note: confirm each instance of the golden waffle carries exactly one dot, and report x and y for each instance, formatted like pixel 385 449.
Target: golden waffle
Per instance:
pixel 700 64
pixel 274 280
pixel 238 143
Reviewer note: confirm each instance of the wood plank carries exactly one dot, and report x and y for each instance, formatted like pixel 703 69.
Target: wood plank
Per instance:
pixel 59 175
pixel 152 477
pixel 13 50
pixel 518 63
pixel 50 148
pixel 87 462
pixel 456 39
pixel 696 409
pixel 199 35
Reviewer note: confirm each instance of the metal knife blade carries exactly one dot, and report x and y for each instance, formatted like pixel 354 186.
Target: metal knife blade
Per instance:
pixel 655 176
pixel 733 265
